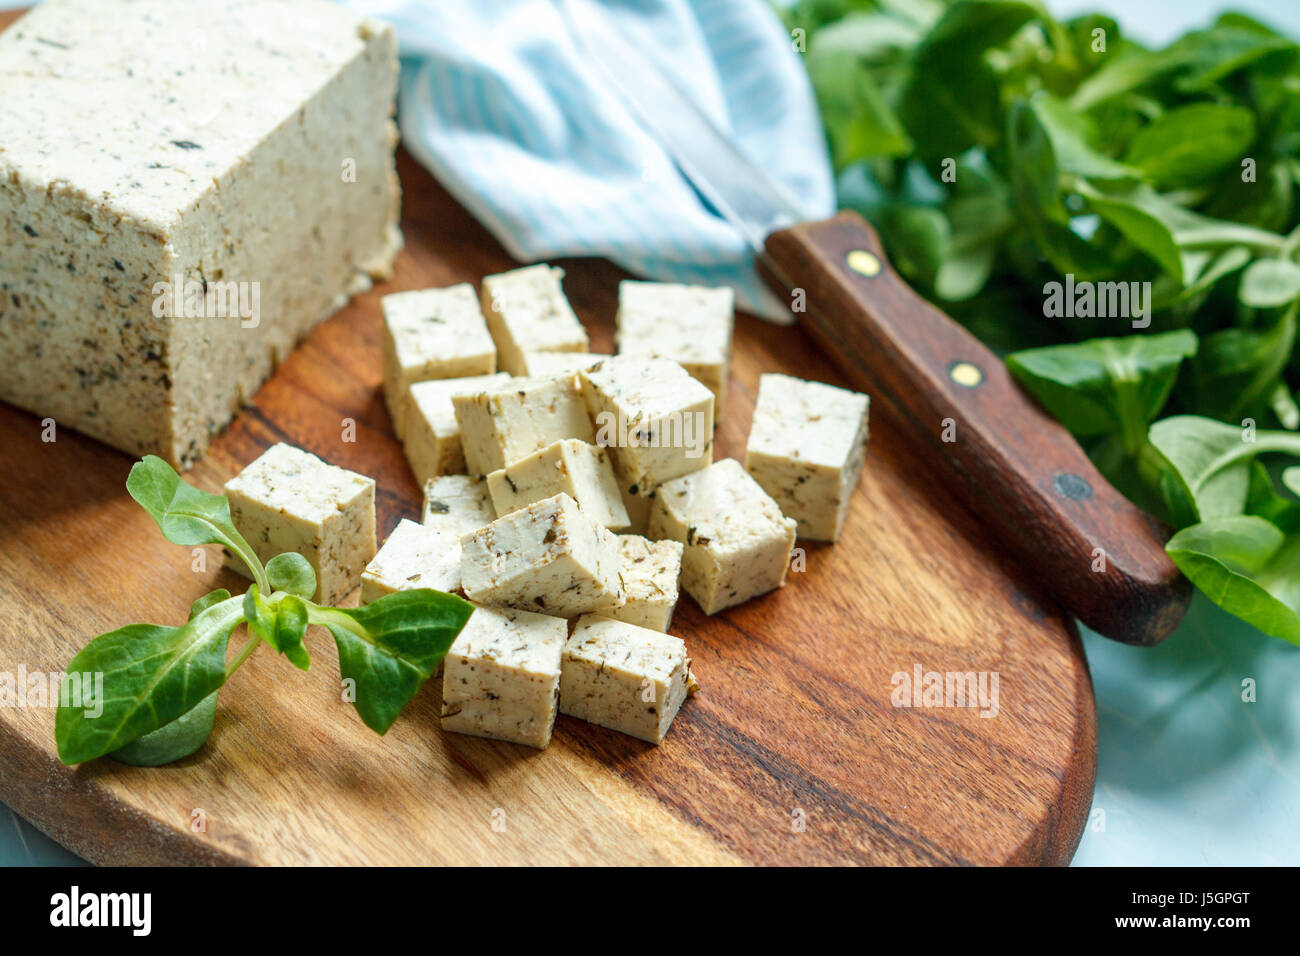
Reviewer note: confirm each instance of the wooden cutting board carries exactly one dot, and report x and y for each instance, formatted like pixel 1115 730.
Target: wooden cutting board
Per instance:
pixel 792 753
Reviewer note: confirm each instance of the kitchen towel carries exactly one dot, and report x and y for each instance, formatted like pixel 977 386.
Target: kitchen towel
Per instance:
pixel 499 104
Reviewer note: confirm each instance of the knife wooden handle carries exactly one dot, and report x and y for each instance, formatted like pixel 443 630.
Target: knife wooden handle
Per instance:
pixel 1010 461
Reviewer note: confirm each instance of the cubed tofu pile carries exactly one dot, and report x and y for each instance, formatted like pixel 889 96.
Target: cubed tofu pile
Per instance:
pixel 568 495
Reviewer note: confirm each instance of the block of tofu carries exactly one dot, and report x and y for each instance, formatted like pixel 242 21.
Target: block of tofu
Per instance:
pixel 501 676
pixel 627 678
pixel 651 570
pixel 581 471
pixel 656 418
pixel 548 557
pixel 290 500
pixel 458 504
pixel 737 541
pixel 527 312
pixel 431 436
pixel 542 364
pixel 428 334
pixel 805 448
pixel 690 324
pixel 413 556
pixel 169 233
pixel 505 422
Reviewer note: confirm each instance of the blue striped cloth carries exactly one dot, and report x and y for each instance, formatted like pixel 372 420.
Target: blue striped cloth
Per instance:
pixel 499 104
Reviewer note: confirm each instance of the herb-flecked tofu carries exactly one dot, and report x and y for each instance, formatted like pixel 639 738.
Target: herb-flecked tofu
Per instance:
pixel 690 324
pixel 527 312
pixel 290 500
pixel 627 678
pixel 432 437
pixel 504 422
pixel 737 541
pixel 656 418
pixel 651 571
pixel 501 676
pixel 580 470
pixel 431 334
pixel 805 448
pixel 548 557
pixel 543 364
pixel 457 503
pixel 186 189
pixel 413 556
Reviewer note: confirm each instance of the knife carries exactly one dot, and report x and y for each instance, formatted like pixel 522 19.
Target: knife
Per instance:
pixel 1009 461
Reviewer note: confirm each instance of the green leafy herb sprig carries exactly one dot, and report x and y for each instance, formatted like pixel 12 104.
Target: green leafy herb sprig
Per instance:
pixel 999 150
pixel 160 684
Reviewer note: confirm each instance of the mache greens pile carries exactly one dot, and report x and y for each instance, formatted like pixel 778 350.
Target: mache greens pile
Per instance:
pixel 1009 158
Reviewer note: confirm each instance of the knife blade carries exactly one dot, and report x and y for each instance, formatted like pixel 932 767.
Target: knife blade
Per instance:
pixel 1011 463
pixel 744 195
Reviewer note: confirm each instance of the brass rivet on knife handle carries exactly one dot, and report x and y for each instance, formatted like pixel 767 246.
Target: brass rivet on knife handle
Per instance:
pixel 863 263
pixel 1015 466
pixel 966 374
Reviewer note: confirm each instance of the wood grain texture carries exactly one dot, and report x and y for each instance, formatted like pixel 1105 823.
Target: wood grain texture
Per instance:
pixel 1014 464
pixel 794 720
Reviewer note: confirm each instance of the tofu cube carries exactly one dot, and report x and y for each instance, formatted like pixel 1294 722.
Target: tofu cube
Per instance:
pixel 431 334
pixel 651 570
pixel 737 541
pixel 505 422
pixel 413 556
pixel 548 557
pixel 169 232
pixel 656 418
pixel 527 312
pixel 690 324
pixel 580 470
pixel 806 447
pixel 290 500
pixel 432 437
pixel 627 678
pixel 501 676
pixel 542 364
pixel 458 504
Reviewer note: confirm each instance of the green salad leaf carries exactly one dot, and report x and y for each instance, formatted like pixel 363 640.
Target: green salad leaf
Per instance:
pixel 293 573
pixel 1107 392
pixel 1192 143
pixel 1071 135
pixel 281 622
pixel 187 515
pixel 391 647
pixel 209 599
pixel 160 684
pixel 1003 152
pixel 152 675
pixel 1269 283
pixel 946 118
pixel 1106 385
pixel 1247 567
pixel 174 741
pixel 1235 369
pixel 1211 463
pixel 1264 501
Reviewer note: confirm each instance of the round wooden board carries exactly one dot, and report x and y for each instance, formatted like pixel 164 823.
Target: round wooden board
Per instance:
pixel 792 753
